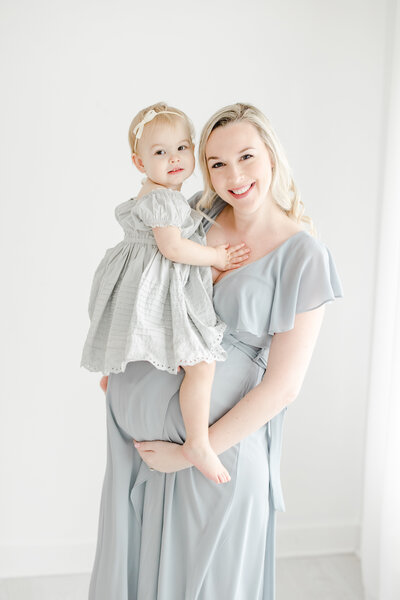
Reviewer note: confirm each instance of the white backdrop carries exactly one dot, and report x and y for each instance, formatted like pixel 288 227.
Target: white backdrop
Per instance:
pixel 73 76
pixel 380 541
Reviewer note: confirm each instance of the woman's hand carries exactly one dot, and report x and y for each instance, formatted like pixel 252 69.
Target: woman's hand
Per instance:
pixel 230 257
pixel 166 457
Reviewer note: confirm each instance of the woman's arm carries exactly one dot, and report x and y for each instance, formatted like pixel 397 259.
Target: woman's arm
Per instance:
pixel 288 360
pixel 178 249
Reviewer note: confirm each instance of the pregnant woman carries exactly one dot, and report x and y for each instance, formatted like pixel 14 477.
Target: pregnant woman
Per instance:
pixel 166 532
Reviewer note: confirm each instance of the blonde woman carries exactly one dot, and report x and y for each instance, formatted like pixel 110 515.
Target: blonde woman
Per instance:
pixel 166 532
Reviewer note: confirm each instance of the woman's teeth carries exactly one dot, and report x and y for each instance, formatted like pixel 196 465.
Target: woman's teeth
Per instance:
pixel 242 190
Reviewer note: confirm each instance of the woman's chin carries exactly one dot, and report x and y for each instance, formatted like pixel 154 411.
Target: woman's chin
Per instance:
pixel 243 205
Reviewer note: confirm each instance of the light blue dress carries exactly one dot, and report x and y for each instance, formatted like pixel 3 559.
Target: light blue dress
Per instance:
pixel 143 306
pixel 180 536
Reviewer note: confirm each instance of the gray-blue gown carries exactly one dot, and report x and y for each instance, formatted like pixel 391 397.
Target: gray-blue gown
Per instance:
pixel 180 536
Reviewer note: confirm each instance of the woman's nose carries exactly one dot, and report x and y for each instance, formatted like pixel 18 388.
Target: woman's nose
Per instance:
pixel 235 175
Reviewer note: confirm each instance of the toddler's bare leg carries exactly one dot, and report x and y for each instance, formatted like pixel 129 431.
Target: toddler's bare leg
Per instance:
pixel 194 399
pixel 104 383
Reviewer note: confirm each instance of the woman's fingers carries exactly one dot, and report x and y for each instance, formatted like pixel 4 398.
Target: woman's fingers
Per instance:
pixel 143 446
pixel 145 452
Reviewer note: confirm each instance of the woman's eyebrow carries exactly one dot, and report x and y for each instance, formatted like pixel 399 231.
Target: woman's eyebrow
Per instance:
pixel 245 150
pixel 240 152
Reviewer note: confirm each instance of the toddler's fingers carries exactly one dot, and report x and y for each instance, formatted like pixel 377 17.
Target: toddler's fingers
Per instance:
pixel 240 252
pixel 237 247
pixel 239 259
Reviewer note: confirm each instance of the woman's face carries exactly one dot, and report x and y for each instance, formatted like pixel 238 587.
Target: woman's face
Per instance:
pixel 240 166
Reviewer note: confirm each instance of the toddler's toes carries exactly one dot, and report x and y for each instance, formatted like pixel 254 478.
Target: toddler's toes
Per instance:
pixel 224 477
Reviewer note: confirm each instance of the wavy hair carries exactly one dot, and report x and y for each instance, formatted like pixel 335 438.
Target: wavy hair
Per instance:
pixel 283 189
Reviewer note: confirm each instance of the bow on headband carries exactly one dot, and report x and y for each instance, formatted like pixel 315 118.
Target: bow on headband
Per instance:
pixel 149 116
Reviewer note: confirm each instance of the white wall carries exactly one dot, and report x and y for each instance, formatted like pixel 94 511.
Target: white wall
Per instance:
pixel 73 75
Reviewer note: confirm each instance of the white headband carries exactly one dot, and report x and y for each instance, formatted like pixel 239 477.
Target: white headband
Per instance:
pixel 149 116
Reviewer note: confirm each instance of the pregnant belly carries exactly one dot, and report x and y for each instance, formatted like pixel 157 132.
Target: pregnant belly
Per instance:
pixel 145 401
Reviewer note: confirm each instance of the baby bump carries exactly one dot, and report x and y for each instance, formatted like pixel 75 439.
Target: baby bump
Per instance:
pixel 139 398
pixel 145 400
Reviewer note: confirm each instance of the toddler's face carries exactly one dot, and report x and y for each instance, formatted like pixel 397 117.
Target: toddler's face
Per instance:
pixel 166 153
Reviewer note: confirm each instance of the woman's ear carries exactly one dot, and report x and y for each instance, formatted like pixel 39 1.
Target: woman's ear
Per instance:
pixel 137 161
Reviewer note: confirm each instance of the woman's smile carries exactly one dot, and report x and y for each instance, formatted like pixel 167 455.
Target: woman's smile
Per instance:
pixel 243 191
pixel 239 166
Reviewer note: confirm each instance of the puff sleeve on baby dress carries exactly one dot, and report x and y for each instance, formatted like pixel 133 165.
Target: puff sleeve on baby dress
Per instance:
pixel 145 307
pixel 162 208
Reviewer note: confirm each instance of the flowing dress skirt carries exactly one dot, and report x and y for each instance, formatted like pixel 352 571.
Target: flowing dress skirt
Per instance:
pixel 179 536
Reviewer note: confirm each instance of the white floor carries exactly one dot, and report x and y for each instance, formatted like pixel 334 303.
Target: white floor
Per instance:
pixel 316 578
pixel 319 578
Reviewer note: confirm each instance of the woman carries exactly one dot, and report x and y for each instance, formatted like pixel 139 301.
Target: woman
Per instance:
pixel 166 532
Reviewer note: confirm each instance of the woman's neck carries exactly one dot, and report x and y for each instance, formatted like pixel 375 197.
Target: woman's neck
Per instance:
pixel 269 220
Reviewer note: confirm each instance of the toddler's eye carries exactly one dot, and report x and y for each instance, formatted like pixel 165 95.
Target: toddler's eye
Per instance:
pixel 217 165
pixel 160 152
pixel 246 156
pixel 183 147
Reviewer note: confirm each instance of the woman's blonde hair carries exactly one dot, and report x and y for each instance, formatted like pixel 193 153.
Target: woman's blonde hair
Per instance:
pixel 165 113
pixel 283 189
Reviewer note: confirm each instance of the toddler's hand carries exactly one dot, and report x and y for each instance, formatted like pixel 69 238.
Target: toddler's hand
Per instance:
pixel 104 383
pixel 231 257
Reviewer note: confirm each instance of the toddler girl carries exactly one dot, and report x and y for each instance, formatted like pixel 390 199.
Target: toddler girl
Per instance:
pixel 151 296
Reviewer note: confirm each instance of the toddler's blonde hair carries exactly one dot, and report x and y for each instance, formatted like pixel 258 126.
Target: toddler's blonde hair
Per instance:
pixel 162 116
pixel 283 189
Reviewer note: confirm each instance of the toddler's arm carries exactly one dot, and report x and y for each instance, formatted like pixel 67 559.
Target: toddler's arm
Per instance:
pixel 178 249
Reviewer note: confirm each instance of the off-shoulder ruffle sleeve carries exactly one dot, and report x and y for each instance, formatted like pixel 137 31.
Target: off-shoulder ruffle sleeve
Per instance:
pixel 307 280
pixel 162 208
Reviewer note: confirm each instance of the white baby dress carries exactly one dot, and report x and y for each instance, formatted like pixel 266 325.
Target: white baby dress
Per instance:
pixel 143 306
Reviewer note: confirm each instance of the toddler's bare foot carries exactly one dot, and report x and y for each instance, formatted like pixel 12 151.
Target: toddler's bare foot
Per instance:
pixel 202 456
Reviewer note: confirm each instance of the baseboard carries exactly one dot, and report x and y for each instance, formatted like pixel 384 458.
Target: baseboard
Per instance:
pixel 60 559
pixel 23 560
pixel 317 540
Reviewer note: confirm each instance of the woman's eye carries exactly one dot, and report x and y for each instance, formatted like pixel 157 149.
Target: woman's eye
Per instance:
pixel 217 165
pixel 246 156
pixel 160 152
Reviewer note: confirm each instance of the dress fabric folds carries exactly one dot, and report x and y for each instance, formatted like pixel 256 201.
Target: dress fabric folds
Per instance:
pixel 179 536
pixel 144 307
